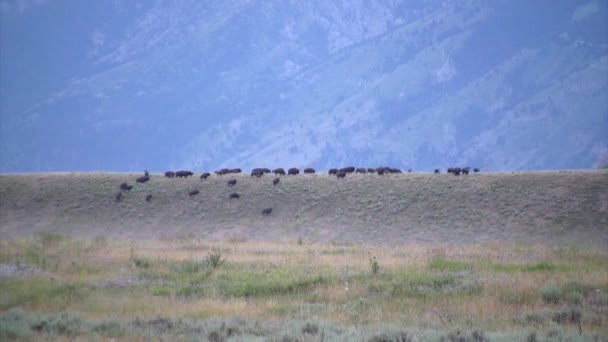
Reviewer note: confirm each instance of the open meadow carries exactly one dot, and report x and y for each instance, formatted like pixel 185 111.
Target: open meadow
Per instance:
pixel 412 257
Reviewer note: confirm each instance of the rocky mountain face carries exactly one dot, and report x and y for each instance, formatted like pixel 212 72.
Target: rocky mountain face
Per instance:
pixel 504 85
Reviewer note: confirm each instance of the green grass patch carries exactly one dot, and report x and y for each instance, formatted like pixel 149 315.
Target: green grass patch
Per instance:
pixel 536 267
pixel 276 281
pixel 442 264
pixel 39 292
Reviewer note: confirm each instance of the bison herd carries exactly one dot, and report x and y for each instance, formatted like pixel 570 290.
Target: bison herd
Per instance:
pixel 259 172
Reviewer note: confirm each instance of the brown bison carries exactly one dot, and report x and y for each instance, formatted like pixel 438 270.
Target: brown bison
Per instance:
pixel 276 181
pixel 456 171
pixel 142 179
pixel 237 170
pixel 265 170
pixel 148 198
pixel 234 195
pixel 125 187
pixel 395 170
pixel 169 174
pixel 118 196
pixel 293 171
pixel 279 171
pixel 380 171
pixel 193 193
pixel 333 171
pixel 257 172
pixel 341 174
pixel 371 170
pixel 309 170
pixel 465 170
pixel 184 174
pixel 361 170
pixel 205 175
pixel 450 170
pixel 348 169
pixel 475 170
pixel 266 211
pixel 231 182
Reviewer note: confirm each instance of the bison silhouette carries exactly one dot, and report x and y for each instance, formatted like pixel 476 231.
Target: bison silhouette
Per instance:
pixel 205 175
pixel 266 211
pixel 234 195
pixel 169 174
pixel 193 193
pixel 293 171
pixel 361 170
pixel 371 170
pixel 333 171
pixel 309 170
pixel 341 174
pixel 475 170
pixel 436 171
pixel 279 171
pixel 348 169
pixel 237 170
pixel 148 198
pixel 231 182
pixel 142 179
pixel 258 172
pixel 276 181
pixel 183 173
pixel 125 187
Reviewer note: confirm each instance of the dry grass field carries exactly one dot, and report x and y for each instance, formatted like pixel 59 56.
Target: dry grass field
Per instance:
pixel 413 257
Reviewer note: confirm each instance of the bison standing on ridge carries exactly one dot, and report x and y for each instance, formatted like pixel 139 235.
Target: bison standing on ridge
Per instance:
pixel 436 171
pixel 395 170
pixel 257 172
pixel 231 182
pixel 265 170
pixel 309 170
pixel 361 170
pixel 380 171
pixel 333 171
pixel 475 170
pixel 348 169
pixel 234 195
pixel 169 174
pixel 142 179
pixel 266 211
pixel 184 174
pixel 279 171
pixel 465 170
pixel 293 171
pixel 276 181
pixel 205 175
pixel 371 170
pixel 450 170
pixel 193 193
pixel 456 171
pixel 237 170
pixel 146 173
pixel 341 174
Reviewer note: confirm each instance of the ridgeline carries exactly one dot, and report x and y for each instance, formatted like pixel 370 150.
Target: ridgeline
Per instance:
pixel 561 207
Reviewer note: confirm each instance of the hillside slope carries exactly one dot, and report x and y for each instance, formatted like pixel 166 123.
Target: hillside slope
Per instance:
pixel 551 207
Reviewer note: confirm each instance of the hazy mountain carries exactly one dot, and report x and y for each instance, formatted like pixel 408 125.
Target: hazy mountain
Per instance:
pixel 115 85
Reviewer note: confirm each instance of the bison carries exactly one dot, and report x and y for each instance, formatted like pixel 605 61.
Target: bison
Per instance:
pixel 146 173
pixel 293 171
pixel 279 171
pixel 148 198
pixel 348 169
pixel 231 182
pixel 475 170
pixel 450 170
pixel 371 170
pixel 309 170
pixel 142 179
pixel 205 175
pixel 341 174
pixel 395 170
pixel 465 170
pixel 193 193
pixel 266 211
pixel 234 195
pixel 380 171
pixel 265 170
pixel 237 170
pixel 184 174
pixel 125 187
pixel 257 172
pixel 361 170
pixel 118 196
pixel 409 170
pixel 333 171
pixel 456 171
pixel 436 171
pixel 169 174
pixel 276 181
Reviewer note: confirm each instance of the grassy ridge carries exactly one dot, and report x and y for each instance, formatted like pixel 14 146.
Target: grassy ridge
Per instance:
pixel 553 207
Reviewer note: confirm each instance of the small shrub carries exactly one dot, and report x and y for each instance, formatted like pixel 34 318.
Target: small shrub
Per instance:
pixel 401 336
pixel 109 328
pixel 14 325
pixel 160 291
pixel 65 323
pixel 532 337
pixel 310 328
pixel 142 262
pixel 551 293
pixel 190 292
pixel 214 258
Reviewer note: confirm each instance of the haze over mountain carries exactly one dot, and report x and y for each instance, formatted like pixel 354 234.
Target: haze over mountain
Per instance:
pixel 126 85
